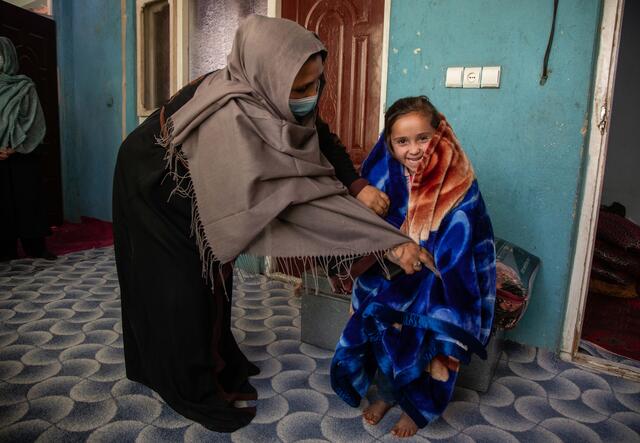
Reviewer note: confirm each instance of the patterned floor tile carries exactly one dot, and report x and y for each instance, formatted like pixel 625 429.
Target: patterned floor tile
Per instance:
pixel 498 395
pixel 306 400
pixel 272 410
pixel 62 375
pixel 506 418
pixel 300 426
pixel 612 430
pixel 561 388
pixel 537 435
pixel 461 415
pixel 489 434
pixel 569 430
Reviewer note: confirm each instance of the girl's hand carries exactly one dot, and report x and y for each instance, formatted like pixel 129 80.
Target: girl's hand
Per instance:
pixel 374 199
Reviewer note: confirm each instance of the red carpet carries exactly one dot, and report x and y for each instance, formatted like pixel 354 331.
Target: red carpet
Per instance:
pixel 614 324
pixel 88 234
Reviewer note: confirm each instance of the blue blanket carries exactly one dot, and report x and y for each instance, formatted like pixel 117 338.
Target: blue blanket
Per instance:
pixel 398 326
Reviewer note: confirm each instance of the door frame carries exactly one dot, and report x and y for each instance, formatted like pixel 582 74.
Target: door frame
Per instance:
pixel 603 89
pixel 178 49
pixel 274 9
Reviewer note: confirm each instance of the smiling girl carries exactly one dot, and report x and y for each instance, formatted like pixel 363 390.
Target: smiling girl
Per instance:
pixel 408 335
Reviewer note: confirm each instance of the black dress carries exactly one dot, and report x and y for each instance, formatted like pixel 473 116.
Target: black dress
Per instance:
pixel 177 331
pixel 23 212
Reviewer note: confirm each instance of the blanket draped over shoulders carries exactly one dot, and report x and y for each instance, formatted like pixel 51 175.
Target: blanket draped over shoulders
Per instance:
pixel 399 325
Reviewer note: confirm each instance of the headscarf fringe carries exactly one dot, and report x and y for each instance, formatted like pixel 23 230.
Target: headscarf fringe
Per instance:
pixel 315 267
pixel 184 188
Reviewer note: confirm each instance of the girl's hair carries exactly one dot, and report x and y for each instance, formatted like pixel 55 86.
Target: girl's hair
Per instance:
pixel 407 105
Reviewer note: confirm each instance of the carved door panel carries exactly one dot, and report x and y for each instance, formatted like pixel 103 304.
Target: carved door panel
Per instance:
pixel 352 32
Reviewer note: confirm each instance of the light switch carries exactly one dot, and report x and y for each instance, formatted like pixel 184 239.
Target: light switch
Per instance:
pixel 471 77
pixel 454 77
pixel 490 77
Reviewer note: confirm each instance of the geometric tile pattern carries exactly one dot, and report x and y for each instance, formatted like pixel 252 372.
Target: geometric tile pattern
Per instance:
pixel 62 375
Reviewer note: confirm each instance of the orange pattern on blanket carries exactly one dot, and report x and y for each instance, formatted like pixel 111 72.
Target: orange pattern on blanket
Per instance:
pixel 441 181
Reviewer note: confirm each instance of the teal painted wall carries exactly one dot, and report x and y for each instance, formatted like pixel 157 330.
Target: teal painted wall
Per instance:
pixel 90 64
pixel 526 141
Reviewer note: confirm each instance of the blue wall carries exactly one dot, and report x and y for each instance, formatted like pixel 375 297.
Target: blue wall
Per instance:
pixel 526 141
pixel 90 63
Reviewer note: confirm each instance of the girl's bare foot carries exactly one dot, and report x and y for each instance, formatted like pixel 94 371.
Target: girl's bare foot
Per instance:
pixel 405 427
pixel 376 410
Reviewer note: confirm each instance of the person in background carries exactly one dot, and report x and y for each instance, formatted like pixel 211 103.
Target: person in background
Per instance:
pixel 22 129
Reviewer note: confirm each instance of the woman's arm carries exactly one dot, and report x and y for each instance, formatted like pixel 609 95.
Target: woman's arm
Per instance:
pixel 336 153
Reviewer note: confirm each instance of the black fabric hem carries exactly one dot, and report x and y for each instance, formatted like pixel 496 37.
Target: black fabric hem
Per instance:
pixel 201 418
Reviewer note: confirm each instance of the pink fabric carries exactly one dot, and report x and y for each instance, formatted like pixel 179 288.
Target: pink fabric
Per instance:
pixel 72 237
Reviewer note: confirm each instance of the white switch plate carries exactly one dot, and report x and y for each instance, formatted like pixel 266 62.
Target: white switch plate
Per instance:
pixel 490 77
pixel 471 77
pixel 454 77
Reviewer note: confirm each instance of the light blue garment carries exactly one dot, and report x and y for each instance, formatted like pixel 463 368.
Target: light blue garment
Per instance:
pixel 302 106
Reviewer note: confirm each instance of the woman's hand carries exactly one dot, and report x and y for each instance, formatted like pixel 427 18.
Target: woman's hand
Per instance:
pixel 410 257
pixel 374 199
pixel 5 153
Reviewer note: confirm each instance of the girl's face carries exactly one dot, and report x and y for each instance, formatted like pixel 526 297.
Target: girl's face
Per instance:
pixel 409 137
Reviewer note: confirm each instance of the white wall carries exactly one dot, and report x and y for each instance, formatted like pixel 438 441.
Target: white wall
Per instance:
pixel 622 174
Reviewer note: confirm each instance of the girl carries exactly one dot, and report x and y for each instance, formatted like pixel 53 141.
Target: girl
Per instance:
pixel 409 334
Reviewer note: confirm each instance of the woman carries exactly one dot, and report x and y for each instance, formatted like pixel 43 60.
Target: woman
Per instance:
pixel 22 128
pixel 241 169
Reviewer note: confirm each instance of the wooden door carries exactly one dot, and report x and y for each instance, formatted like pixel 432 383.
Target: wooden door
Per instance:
pixel 34 37
pixel 352 32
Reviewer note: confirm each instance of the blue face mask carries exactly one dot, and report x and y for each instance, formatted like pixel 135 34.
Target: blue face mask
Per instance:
pixel 302 106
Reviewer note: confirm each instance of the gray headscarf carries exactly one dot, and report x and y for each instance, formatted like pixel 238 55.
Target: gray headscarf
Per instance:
pixel 22 124
pixel 260 184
